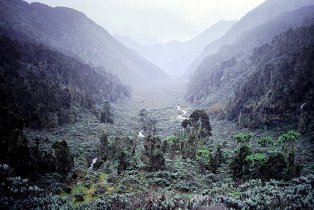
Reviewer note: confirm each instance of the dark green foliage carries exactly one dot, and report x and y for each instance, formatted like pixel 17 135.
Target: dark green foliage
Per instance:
pixel 216 160
pixel 209 161
pixel 41 85
pixel 123 163
pixel 104 146
pixel 154 152
pixel 203 157
pixel 257 163
pixel 147 122
pixel 281 89
pixel 120 149
pixel 265 141
pixel 14 148
pixel 27 160
pixel 288 143
pixel 239 165
pixel 275 167
pixel 106 115
pixel 256 159
pixel 273 194
pixel 242 137
pixel 63 160
pixel 198 124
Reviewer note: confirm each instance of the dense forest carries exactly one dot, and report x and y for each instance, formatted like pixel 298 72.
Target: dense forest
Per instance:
pixel 281 89
pixel 218 80
pixel 42 85
pixel 88 123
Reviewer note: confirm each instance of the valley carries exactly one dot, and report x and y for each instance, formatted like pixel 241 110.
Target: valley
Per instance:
pixel 103 186
pixel 93 120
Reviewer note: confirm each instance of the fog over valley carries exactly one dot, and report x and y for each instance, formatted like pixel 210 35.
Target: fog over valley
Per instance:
pixel 136 104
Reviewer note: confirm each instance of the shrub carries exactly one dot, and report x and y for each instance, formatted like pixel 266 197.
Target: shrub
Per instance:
pixel 242 137
pixel 256 159
pixel 265 141
pixel 63 160
pixel 288 140
pixel 288 143
pixel 216 160
pixel 172 139
pixel 275 167
pixel 203 156
pixel 239 165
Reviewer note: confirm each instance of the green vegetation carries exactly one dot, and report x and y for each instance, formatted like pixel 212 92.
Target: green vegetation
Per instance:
pixel 288 141
pixel 71 138
pixel 203 156
pixel 242 137
pixel 266 141
pixel 256 159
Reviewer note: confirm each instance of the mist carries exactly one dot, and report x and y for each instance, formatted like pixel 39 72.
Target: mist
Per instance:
pixel 155 104
pixel 145 21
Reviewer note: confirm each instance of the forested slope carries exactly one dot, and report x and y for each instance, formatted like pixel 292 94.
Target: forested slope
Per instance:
pixel 72 33
pixel 42 85
pixel 217 79
pixel 282 87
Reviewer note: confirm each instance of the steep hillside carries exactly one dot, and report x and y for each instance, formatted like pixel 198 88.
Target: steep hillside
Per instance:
pixel 214 80
pixel 282 87
pixel 72 33
pixel 175 56
pixel 261 14
pixel 272 86
pixel 42 86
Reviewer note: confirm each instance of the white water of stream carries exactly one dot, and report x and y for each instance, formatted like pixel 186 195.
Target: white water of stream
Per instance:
pixel 93 162
pixel 140 134
pixel 183 112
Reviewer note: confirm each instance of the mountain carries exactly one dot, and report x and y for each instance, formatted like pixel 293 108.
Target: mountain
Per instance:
pixel 42 86
pixel 282 87
pixel 261 14
pixel 73 34
pixel 215 81
pixel 175 56
pixel 226 67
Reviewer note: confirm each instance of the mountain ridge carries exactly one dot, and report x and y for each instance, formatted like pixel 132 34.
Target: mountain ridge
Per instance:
pixel 72 33
pixel 261 14
pixel 174 56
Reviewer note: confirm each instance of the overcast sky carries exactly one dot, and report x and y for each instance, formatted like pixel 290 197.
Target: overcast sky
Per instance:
pixel 162 19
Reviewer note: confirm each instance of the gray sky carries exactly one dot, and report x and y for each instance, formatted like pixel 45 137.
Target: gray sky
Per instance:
pixel 165 20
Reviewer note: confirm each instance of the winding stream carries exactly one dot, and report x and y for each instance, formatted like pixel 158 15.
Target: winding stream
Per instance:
pixel 182 112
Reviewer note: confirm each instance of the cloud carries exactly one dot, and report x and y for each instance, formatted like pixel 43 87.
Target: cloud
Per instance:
pixel 163 19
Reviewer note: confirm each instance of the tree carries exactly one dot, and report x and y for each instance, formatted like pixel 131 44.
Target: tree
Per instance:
pixel 154 152
pixel 199 123
pixel 64 161
pixel 106 115
pixel 288 142
pixel 104 144
pixel 240 165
